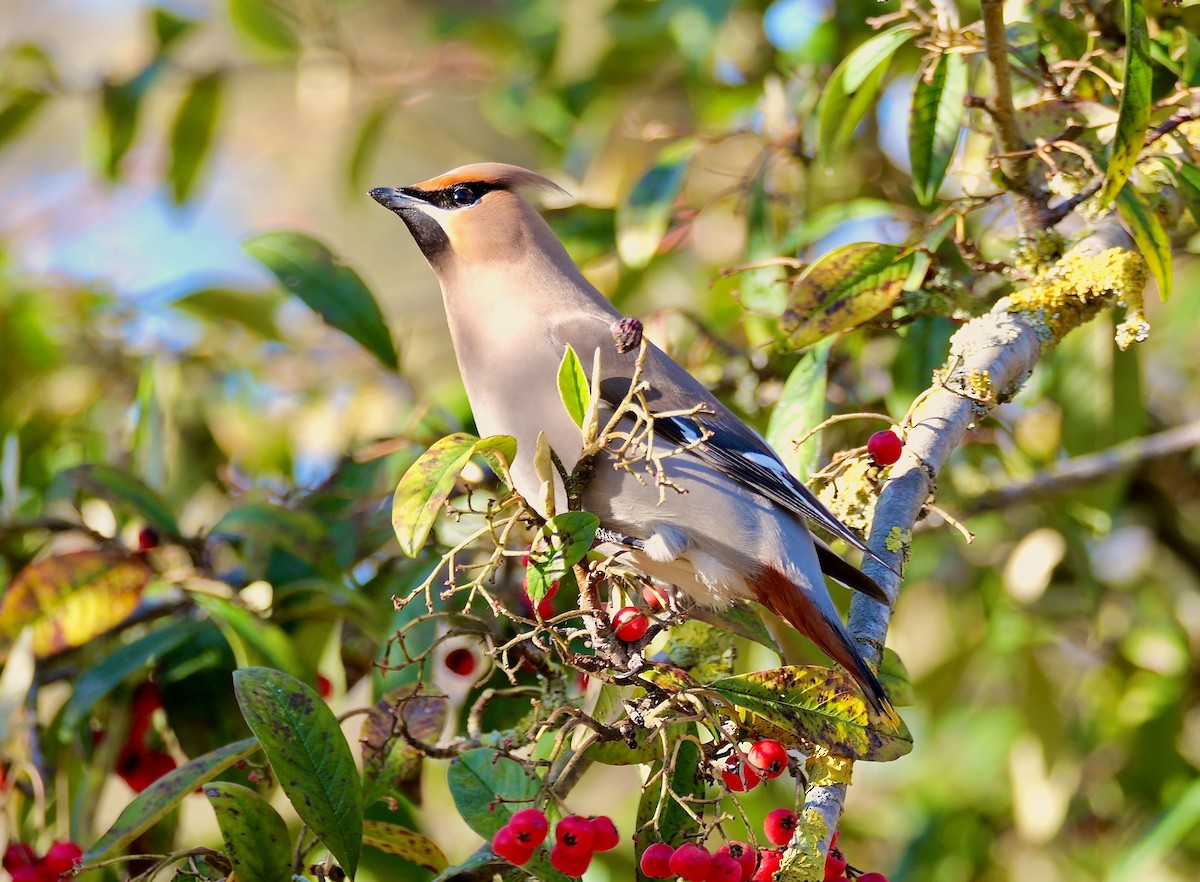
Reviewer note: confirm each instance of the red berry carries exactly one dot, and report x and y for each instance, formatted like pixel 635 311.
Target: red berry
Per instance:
pixel 692 862
pixel 769 757
pixel 630 624
pixel 31 873
pixel 324 686
pixel 835 864
pixel 744 854
pixel 656 861
pixel 507 843
pixel 530 825
pixel 655 597
pixel 768 864
pixel 461 661
pixel 779 825
pixel 604 833
pixel 147 539
pixel 574 833
pixel 61 856
pixel 884 447
pixel 572 861
pixel 18 854
pixel 140 770
pixel 739 776
pixel 724 869
pixel 872 877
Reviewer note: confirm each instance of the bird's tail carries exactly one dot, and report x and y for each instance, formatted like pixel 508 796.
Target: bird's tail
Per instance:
pixel 790 602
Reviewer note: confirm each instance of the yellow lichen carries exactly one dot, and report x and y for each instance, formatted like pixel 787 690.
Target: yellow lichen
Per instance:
pixel 979 384
pixel 850 495
pixel 898 540
pixel 1073 290
pixel 826 770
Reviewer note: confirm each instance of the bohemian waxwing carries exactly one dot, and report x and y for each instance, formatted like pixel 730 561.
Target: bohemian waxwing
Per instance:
pixel 514 301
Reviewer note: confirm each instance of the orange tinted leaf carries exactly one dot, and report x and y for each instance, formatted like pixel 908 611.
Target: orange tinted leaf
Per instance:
pixel 71 598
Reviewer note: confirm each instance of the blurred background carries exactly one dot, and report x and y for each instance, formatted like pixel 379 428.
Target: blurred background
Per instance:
pixel 1054 659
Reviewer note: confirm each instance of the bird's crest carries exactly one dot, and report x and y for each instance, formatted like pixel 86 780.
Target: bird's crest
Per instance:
pixel 496 174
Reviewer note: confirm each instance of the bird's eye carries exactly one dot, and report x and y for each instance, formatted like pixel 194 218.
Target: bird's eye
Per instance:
pixel 463 195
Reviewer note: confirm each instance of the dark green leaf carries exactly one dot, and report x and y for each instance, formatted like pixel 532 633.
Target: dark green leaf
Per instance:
pixel 643 218
pixel 168 26
pixel 253 639
pixel 851 90
pixel 126 492
pixel 1136 103
pixel 192 133
pixel 256 838
pixel 309 756
pixel 425 487
pixel 300 533
pixel 573 386
pixel 27 78
pixel 741 620
pixel 253 311
pixel 1151 237
pixel 121 104
pixel 801 406
pixel 98 680
pixel 938 99
pixel 562 543
pixel 896 682
pixel 306 268
pixel 1187 177
pixel 16 110
pixel 822 705
pixel 153 803
pixel 397 840
pixel 267 25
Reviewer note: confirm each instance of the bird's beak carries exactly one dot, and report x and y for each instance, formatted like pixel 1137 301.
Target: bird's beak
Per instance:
pixel 397 200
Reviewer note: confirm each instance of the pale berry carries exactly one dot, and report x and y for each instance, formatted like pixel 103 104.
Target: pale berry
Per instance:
pixel 507 843
pixel 768 864
pixel 656 861
pixel 779 825
pixel 835 864
pixel 530 825
pixel 574 833
pixel 655 597
pixel 739 776
pixel 571 861
pixel 884 447
pixel 744 854
pixel 630 624
pixel 604 833
pixel 724 869
pixel 692 862
pixel 769 757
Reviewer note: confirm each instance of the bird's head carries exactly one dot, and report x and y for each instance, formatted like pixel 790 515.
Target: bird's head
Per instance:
pixel 471 215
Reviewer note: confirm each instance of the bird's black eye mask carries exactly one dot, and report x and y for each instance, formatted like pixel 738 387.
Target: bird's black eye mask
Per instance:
pixel 461 195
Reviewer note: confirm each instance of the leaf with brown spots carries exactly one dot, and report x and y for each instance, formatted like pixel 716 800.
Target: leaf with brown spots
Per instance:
pixel 256 838
pixel 822 705
pixel 413 847
pixel 156 801
pixel 309 756
pixel 848 286
pixel 71 598
pixel 389 762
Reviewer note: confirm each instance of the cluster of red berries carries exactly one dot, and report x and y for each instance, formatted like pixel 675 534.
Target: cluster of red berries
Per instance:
pixel 576 839
pixel 767 758
pixel 732 862
pixel 139 764
pixel 884 447
pixel 23 864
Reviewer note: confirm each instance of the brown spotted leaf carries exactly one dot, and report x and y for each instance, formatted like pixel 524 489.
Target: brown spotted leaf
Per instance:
pixel 255 836
pixel 309 756
pixel 389 762
pixel 848 286
pixel 822 705
pixel 71 598
pixel 413 847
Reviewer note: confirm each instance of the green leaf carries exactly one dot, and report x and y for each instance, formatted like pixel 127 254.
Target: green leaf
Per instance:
pixel 646 746
pixel 98 680
pixel 309 756
pixel 253 639
pixel 1173 828
pixel 562 543
pixel 1187 177
pixel 397 840
pixel 426 486
pixel 801 406
pixel 675 825
pixel 126 492
pixel 168 26
pixel 643 218
pixel 367 143
pixel 192 133
pixel 121 104
pixel 1136 103
pixel 300 533
pixel 573 386
pixel 822 705
pixel 1152 240
pixel 895 680
pixel 27 78
pixel 253 311
pixel 851 91
pixel 389 762
pixel 741 620
pixel 846 287
pixel 335 292
pixel 938 100
pixel 267 25
pixel 256 838
pixel 153 803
